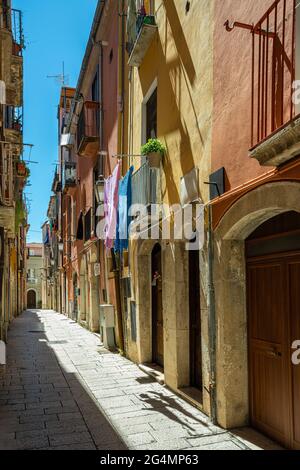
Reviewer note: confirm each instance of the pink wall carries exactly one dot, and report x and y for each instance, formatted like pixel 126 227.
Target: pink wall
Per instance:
pixel 232 90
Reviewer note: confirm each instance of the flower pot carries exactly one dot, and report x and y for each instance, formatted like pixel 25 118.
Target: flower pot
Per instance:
pixel 17 126
pixel 21 169
pixel 154 159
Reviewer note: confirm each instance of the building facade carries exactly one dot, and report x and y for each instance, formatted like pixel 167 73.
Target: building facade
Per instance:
pixel 14 173
pixel 256 221
pixel 34 275
pixel 91 131
pixel 214 82
pixel 170 98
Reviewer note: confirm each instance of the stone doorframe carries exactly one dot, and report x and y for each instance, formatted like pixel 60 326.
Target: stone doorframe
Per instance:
pixel 248 213
pixel 175 309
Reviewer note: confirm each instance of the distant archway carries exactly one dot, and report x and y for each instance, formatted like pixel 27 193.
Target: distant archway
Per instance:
pixel 31 299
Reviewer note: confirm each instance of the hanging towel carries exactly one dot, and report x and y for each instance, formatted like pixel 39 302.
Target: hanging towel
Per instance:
pixel 111 189
pixel 125 201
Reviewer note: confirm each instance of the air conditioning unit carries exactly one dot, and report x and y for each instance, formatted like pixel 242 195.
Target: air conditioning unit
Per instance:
pixel 107 325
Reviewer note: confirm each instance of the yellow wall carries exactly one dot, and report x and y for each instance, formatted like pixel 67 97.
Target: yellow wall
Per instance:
pixel 180 57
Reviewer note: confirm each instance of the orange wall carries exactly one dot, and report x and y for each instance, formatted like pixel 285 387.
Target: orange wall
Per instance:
pixel 232 90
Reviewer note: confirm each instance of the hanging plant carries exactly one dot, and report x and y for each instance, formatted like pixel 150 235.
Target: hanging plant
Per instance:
pixel 154 150
pixel 22 170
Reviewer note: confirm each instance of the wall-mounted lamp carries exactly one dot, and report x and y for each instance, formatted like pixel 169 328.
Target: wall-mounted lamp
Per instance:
pixel 99 190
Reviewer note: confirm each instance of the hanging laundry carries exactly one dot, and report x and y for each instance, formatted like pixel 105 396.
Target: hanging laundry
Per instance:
pixel 111 189
pixel 125 201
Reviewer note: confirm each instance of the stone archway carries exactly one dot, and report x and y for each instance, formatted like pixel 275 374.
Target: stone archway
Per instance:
pixel 175 308
pixel 238 223
pixel 143 294
pixel 31 299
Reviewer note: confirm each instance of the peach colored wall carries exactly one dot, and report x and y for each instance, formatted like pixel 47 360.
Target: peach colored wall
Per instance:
pixel 110 91
pixel 232 90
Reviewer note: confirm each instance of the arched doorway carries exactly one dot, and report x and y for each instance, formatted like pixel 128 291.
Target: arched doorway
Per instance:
pixel 230 271
pixel 157 307
pixel 273 300
pixel 31 299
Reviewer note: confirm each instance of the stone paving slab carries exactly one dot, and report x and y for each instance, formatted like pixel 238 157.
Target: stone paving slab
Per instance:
pixel 61 390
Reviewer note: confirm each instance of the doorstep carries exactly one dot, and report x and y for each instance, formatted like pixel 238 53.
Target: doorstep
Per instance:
pixel 191 395
pixel 155 371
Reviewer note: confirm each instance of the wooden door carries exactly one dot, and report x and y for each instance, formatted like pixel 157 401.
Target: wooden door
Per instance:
pixel 269 361
pixel 157 308
pixel 274 324
pixel 195 320
pixel 293 275
pixel 31 299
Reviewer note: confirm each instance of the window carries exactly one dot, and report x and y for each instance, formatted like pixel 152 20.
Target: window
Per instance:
pixel 87 225
pixel 74 219
pixel 149 114
pixel 151 117
pixel 95 88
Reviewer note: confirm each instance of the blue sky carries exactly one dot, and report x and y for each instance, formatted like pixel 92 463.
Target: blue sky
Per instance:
pixel 55 31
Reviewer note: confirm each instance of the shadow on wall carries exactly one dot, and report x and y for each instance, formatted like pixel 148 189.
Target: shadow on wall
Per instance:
pixel 176 75
pixel 59 410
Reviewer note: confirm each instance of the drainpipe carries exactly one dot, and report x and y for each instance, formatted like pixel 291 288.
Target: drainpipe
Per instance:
pixel 212 320
pixel 101 166
pixel 118 277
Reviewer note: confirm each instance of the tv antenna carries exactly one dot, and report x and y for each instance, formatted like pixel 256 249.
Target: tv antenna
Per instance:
pixel 62 79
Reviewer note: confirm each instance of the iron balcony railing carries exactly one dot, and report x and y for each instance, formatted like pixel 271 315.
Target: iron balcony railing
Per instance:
pixel 273 69
pixel 146 186
pixel 88 126
pixel 136 19
pixel 14 118
pixel 11 19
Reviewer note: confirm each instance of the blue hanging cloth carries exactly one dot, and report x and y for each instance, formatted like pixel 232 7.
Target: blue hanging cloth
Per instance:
pixel 123 218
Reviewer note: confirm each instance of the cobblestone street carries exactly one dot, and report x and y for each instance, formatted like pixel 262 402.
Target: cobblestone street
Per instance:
pixel 62 390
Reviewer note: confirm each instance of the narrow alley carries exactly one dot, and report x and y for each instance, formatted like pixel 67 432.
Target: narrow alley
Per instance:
pixel 62 390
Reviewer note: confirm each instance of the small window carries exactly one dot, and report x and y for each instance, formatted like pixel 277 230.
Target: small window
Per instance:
pixel 111 56
pixel 95 88
pixel 151 116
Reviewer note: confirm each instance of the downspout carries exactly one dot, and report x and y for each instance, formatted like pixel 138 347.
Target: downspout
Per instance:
pixel 118 273
pixel 211 320
pixel 101 166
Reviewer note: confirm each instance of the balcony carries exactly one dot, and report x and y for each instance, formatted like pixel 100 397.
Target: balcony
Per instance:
pixel 69 175
pixel 88 142
pixel 146 186
pixel 11 20
pixel 13 120
pixel 275 132
pixel 141 31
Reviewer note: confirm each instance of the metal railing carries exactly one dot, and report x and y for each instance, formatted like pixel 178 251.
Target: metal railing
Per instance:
pixel 70 174
pixel 146 187
pixel 142 16
pixel 273 69
pixel 11 19
pixel 14 118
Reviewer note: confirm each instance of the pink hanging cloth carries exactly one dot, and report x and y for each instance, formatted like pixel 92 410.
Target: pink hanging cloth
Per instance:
pixel 111 190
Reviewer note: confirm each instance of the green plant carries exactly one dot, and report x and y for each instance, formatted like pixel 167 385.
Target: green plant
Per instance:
pixel 153 146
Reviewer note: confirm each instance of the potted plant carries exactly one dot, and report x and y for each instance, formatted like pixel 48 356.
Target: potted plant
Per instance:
pixel 21 169
pixel 154 150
